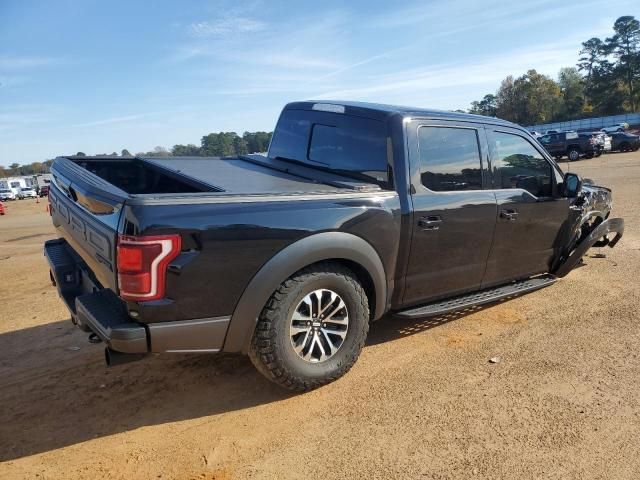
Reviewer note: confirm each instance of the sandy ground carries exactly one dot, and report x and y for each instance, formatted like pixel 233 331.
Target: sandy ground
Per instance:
pixel 422 402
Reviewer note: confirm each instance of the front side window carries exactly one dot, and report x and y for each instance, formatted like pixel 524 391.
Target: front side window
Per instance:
pixel 519 165
pixel 449 159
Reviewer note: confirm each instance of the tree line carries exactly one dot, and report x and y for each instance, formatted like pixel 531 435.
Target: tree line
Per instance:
pixel 605 81
pixel 222 144
pixel 15 169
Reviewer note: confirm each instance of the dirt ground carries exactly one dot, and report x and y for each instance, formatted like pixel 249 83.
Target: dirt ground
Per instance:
pixel 423 401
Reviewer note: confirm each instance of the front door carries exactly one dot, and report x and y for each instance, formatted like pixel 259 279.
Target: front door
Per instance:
pixel 554 144
pixel 530 212
pixel 453 215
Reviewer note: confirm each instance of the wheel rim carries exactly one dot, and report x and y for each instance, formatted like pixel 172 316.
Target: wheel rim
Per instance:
pixel 573 155
pixel 319 326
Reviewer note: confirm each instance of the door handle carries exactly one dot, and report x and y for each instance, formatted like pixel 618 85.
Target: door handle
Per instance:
pixel 509 214
pixel 431 222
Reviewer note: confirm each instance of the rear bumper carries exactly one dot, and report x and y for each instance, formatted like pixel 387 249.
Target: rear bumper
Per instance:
pixel 102 312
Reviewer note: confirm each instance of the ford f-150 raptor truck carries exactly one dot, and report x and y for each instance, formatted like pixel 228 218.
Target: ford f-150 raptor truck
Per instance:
pixel 358 210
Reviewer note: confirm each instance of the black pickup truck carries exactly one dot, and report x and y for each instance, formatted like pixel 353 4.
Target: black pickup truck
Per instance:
pixel 357 211
pixel 572 144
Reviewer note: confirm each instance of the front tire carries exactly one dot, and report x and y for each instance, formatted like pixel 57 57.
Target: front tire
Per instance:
pixel 573 154
pixel 312 329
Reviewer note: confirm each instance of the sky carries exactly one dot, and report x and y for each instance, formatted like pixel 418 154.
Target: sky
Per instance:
pixel 99 76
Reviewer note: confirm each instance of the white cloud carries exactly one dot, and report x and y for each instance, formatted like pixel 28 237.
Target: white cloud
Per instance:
pixel 298 61
pixel 12 62
pixel 114 120
pixel 225 26
pixel 547 59
pixel 13 81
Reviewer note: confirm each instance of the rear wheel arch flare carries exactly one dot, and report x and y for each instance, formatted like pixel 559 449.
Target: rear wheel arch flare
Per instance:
pixel 347 249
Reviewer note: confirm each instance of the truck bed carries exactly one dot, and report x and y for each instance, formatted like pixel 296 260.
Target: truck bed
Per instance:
pixel 238 175
pixel 165 177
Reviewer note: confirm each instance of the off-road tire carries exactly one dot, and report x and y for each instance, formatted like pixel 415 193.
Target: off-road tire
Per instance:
pixel 271 351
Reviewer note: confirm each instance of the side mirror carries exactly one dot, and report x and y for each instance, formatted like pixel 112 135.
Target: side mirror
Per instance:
pixel 572 185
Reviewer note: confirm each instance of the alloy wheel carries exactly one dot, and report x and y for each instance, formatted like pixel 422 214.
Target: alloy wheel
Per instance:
pixel 319 325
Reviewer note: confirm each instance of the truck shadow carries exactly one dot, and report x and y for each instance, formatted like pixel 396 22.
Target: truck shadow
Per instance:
pixel 55 390
pixel 391 328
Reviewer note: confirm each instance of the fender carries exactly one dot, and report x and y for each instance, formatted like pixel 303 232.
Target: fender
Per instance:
pixel 304 252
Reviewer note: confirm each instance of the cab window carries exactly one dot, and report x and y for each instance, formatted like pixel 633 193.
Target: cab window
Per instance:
pixel 518 164
pixel 449 159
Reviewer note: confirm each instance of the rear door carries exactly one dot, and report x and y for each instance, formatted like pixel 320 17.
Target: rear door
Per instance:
pixel 453 216
pixel 86 212
pixel 530 213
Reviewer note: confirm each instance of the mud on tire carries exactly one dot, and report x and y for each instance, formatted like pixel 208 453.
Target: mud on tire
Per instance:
pixel 272 351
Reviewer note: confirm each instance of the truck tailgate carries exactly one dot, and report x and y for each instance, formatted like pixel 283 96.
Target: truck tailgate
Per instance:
pixel 86 213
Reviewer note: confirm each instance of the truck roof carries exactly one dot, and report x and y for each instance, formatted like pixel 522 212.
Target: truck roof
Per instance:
pixel 381 111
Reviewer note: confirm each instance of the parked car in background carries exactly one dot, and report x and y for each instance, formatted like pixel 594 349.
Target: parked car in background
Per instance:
pixel 27 192
pixel 44 191
pixel 356 211
pixel 625 142
pixel 618 127
pixel 7 194
pixel 600 141
pixel 572 144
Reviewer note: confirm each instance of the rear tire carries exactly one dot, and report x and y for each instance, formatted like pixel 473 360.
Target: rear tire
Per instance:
pixel 573 153
pixel 284 348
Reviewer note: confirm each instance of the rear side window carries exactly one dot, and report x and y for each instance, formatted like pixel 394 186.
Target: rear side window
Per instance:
pixel 449 159
pixel 354 146
pixel 519 165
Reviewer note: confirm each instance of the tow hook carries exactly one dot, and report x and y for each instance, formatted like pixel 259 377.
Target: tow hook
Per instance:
pixel 93 338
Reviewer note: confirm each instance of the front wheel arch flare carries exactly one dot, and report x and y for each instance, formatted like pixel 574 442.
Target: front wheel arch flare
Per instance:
pixel 338 246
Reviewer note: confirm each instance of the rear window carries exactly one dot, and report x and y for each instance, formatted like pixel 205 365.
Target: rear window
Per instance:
pixel 350 145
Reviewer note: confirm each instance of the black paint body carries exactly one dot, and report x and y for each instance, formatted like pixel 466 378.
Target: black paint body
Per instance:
pixel 236 215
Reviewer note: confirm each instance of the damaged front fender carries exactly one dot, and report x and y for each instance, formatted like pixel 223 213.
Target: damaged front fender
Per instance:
pixel 599 237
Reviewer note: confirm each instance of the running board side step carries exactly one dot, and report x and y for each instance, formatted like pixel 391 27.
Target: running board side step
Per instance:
pixel 478 298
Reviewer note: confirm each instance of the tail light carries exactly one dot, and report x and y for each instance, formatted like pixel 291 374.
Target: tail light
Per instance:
pixel 142 265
